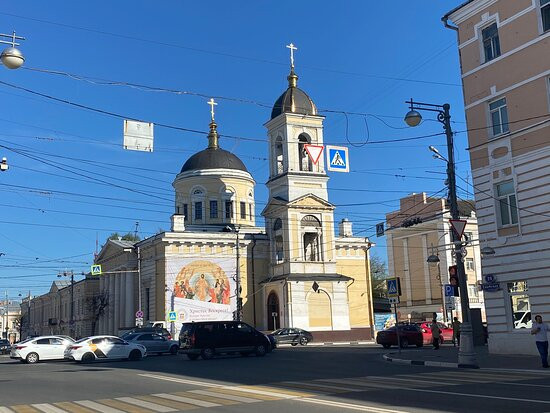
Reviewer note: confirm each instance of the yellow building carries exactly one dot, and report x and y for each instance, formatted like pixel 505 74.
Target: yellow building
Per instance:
pixel 216 264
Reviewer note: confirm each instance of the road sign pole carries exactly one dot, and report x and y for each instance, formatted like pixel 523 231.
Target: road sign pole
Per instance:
pixel 397 329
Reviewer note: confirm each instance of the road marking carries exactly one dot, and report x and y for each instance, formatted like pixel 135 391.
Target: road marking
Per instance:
pixel 399 380
pixel 73 408
pixel 184 381
pixel 210 399
pixel 187 400
pixel 251 395
pixel 319 387
pixel 482 396
pixel 524 384
pixel 166 402
pixel 148 405
pixel 5 410
pixel 350 406
pixel 537 372
pixel 47 408
pixel 24 408
pixel 99 407
pixel 125 407
pixel 224 396
pixel 272 393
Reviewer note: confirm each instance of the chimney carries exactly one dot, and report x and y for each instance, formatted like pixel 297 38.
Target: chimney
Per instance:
pixel 344 228
pixel 178 223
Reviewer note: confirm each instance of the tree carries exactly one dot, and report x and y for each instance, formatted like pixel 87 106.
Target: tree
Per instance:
pixel 379 273
pixel 126 237
pixel 96 306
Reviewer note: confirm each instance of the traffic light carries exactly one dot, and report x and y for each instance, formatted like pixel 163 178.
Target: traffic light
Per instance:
pixel 453 279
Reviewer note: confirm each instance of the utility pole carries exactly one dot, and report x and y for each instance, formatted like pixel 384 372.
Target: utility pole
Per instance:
pixel 7 316
pixel 71 322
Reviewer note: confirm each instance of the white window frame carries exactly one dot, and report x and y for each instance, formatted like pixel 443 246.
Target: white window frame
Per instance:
pixel 509 309
pixel 508 203
pixel 469 267
pixel 483 54
pixel 543 4
pixel 502 108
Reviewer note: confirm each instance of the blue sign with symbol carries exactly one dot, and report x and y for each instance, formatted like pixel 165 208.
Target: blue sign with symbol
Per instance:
pixel 490 278
pixel 337 158
pixel 449 290
pixel 172 316
pixel 392 287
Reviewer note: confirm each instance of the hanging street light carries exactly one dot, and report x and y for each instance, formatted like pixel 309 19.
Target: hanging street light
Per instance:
pixel 11 57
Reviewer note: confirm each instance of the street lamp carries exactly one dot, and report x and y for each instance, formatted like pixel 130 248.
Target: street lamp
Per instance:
pixel 4 164
pixel 11 57
pixel 466 353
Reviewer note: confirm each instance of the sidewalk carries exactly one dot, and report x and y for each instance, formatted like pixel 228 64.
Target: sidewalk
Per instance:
pixel 447 356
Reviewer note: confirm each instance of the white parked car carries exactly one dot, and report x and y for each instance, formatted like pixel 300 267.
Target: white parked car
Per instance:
pixel 41 348
pixel 104 348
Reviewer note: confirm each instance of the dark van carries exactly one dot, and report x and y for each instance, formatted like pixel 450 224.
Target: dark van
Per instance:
pixel 208 338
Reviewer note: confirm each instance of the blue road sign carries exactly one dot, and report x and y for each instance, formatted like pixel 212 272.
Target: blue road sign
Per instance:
pixel 337 158
pixel 172 316
pixel 393 291
pixel 449 290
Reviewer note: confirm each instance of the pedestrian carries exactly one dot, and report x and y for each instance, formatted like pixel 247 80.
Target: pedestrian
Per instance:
pixel 436 333
pixel 456 331
pixel 540 331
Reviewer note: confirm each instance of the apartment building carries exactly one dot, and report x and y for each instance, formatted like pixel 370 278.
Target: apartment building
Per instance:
pixel 504 48
pixel 418 230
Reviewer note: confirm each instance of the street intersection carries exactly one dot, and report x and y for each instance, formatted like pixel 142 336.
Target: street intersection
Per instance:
pixel 311 379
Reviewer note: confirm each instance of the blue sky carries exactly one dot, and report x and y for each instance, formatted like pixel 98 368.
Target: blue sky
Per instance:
pixel 367 57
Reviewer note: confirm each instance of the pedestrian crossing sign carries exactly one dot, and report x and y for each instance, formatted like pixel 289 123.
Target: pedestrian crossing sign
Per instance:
pixel 172 316
pixel 393 287
pixel 337 158
pixel 96 269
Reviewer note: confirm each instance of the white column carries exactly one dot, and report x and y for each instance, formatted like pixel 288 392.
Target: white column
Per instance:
pixel 112 304
pixel 116 308
pixel 130 307
pixel 122 300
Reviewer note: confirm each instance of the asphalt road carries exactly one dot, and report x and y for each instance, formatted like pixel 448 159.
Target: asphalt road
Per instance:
pixel 310 379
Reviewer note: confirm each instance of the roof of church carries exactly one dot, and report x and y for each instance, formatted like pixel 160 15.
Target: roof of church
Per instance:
pixel 213 157
pixel 294 100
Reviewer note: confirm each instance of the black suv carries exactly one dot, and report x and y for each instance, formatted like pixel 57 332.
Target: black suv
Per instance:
pixel 208 338
pixel 155 330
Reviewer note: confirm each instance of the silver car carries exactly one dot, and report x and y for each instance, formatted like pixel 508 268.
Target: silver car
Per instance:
pixel 154 343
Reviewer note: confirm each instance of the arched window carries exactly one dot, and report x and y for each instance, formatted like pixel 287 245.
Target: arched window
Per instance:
pixel 303 157
pixel 273 322
pixel 279 169
pixel 312 232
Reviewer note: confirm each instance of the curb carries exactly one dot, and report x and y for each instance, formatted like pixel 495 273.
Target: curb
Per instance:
pixel 332 344
pixel 390 359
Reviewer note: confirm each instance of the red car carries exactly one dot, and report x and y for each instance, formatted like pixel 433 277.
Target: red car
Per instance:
pixel 408 334
pixel 446 332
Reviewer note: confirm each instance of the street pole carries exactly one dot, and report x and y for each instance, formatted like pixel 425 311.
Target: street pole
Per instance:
pixel 139 277
pixel 238 277
pixel 397 329
pixel 6 328
pixel 71 323
pixel 466 353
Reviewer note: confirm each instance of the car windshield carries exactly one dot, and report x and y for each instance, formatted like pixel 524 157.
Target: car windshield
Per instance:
pixel 130 336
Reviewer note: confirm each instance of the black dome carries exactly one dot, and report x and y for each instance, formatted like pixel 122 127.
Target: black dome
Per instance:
pixel 294 100
pixel 213 158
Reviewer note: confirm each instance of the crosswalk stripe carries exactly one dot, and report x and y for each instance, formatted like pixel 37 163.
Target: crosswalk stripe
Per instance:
pixel 24 408
pixel 73 408
pixel 270 391
pixel 262 397
pixel 375 380
pixel 148 405
pixel 184 381
pixel 125 407
pixel 210 399
pixel 5 410
pixel 166 402
pixel 225 396
pixel 99 407
pixel 187 400
pixel 47 408
pixel 404 380
pixel 317 387
pixel 351 406
pixel 369 382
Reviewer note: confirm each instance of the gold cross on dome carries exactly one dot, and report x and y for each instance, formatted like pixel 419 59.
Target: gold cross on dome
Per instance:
pixel 212 104
pixel 292 48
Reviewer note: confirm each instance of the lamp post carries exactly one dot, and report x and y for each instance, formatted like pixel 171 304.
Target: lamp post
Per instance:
pixel 11 56
pixel 466 353
pixel 71 322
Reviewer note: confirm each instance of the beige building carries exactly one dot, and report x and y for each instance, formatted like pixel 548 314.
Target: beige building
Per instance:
pixel 418 230
pixel 50 313
pixel 294 272
pixel 504 50
pixel 10 320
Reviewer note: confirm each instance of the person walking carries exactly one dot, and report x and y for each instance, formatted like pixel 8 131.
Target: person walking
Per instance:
pixel 456 331
pixel 540 331
pixel 436 334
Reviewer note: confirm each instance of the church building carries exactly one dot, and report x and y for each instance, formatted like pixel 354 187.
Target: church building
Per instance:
pixel 216 264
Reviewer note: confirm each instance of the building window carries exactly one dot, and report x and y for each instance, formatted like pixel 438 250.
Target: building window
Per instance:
pixel 198 210
pixel 213 209
pixel 311 228
pixel 470 264
pixel 499 116
pixel 491 43
pixel 185 212
pixel 243 210
pixel 507 203
pixel 545 13
pixel 519 304
pixel 279 156
pixel 228 209
pixel 303 157
pixel 251 211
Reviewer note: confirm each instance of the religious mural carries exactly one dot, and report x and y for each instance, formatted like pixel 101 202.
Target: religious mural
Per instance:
pixel 200 290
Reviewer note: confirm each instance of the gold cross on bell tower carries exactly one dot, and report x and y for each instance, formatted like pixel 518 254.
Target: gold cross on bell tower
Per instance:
pixel 292 48
pixel 212 104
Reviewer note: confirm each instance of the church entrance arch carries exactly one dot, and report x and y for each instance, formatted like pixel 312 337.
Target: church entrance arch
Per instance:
pixel 273 315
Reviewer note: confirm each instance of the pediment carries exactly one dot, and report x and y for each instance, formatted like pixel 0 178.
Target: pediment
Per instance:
pixel 310 201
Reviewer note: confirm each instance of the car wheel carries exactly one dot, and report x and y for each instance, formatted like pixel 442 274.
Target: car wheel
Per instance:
pixel 404 343
pixel 174 350
pixel 260 350
pixel 135 355
pixel 207 353
pixel 192 356
pixel 32 358
pixel 303 341
pixel 294 344
pixel 87 358
pixel 386 345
